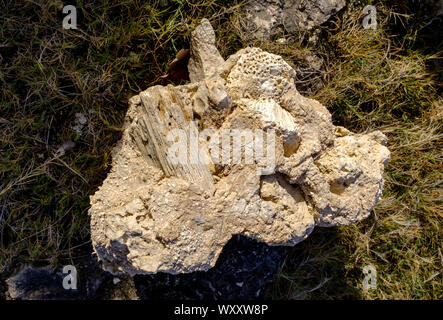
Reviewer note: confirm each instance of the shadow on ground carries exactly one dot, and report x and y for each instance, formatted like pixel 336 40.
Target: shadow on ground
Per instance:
pixel 245 270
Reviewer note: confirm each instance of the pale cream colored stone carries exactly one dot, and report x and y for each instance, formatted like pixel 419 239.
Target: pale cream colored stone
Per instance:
pixel 205 58
pixel 153 215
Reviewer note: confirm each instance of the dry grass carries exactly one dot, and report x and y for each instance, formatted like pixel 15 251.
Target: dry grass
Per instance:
pixel 384 80
pixel 375 80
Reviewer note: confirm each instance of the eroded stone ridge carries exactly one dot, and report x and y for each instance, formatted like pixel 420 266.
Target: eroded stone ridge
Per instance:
pixel 155 215
pixel 264 19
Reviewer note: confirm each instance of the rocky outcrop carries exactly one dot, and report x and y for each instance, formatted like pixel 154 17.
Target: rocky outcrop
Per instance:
pixel 47 283
pixel 237 151
pixel 266 18
pixel 244 270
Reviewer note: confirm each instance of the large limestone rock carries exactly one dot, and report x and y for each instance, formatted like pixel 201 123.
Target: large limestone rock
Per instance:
pixel 183 180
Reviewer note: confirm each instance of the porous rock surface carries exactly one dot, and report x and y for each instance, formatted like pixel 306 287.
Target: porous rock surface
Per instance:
pixel 266 18
pixel 155 215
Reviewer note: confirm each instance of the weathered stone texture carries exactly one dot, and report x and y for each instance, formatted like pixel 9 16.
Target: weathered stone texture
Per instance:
pixel 266 18
pixel 154 215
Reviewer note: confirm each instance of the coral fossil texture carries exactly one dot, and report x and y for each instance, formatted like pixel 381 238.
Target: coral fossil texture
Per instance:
pixel 154 214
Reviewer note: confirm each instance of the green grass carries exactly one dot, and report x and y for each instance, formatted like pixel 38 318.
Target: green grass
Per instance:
pixel 374 80
pixel 387 80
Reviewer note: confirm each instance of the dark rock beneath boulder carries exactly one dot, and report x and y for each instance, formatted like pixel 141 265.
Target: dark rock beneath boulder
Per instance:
pixel 34 283
pixel 244 270
pixel 38 284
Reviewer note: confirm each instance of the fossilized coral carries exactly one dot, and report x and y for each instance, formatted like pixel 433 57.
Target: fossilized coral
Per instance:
pixel 153 214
